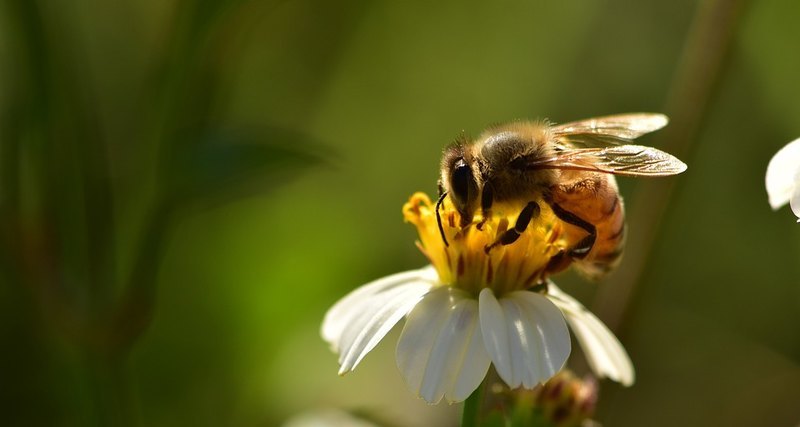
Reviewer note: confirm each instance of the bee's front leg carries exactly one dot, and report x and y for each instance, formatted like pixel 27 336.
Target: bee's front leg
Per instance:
pixel 487 198
pixel 528 213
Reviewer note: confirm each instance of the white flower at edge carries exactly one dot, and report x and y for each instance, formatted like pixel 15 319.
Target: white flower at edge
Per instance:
pixel 450 338
pixel 783 178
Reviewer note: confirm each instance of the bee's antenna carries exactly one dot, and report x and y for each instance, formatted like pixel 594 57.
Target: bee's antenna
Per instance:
pixel 439 217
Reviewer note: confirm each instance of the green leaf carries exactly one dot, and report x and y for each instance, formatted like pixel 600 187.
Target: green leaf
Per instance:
pixel 226 164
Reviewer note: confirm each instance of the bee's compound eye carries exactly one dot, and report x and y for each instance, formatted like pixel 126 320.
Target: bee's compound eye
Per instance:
pixel 462 180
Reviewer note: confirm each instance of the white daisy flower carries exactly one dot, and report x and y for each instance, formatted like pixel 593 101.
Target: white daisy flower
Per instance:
pixel 783 178
pixel 470 309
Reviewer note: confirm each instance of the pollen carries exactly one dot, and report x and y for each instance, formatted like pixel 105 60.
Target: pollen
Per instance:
pixel 474 257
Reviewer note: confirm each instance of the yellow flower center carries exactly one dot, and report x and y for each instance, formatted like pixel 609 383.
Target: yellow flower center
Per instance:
pixel 474 260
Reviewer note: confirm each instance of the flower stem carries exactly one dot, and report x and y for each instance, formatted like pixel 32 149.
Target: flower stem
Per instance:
pixel 469 417
pixel 487 405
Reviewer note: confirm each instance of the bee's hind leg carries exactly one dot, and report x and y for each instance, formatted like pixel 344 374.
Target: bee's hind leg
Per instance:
pixel 542 286
pixel 528 213
pixel 582 248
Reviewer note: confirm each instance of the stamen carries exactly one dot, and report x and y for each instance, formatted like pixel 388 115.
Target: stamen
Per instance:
pixel 502 226
pixel 422 249
pixel 489 271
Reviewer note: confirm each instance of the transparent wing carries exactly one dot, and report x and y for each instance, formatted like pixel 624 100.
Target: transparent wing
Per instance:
pixel 590 140
pixel 623 126
pixel 632 160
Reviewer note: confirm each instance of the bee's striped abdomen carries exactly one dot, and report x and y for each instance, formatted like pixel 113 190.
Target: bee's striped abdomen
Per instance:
pixel 596 201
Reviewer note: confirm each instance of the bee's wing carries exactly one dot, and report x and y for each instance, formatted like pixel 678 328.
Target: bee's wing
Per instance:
pixel 632 160
pixel 590 140
pixel 620 126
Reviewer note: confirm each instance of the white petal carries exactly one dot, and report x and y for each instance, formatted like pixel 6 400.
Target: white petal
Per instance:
pixel 495 334
pixel 526 337
pixel 795 202
pixel 363 318
pixel 342 313
pixel 605 353
pixel 782 174
pixel 375 318
pixel 441 352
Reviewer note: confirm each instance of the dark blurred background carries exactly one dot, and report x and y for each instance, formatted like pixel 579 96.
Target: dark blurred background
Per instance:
pixel 186 186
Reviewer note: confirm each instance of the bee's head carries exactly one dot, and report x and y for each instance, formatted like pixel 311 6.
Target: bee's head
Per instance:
pixel 460 180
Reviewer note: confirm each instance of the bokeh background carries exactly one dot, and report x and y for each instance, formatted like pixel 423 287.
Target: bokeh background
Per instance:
pixel 187 185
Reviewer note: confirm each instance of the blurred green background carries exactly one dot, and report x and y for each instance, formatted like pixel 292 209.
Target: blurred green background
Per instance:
pixel 186 187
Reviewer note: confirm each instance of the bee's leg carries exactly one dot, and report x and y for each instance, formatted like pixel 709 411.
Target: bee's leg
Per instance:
pixel 558 262
pixel 540 287
pixel 528 213
pixel 583 247
pixel 487 198
pixel 442 195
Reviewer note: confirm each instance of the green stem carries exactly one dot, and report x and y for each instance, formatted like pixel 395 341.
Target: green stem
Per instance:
pixel 702 65
pixel 472 405
pixel 489 404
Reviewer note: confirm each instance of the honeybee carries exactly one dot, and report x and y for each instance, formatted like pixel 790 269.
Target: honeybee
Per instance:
pixel 569 167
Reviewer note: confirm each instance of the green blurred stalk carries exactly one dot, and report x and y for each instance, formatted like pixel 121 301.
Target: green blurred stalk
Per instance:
pixel 58 231
pixel 55 172
pixel 64 248
pixel 112 398
pixel 26 107
pixel 10 239
pixel 136 306
pixel 695 85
